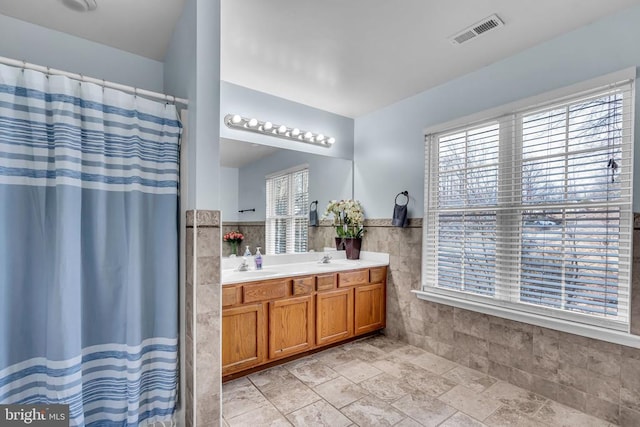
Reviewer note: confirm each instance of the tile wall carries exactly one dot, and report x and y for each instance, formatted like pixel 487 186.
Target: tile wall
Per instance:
pixel 596 377
pixel 254 235
pixel 203 319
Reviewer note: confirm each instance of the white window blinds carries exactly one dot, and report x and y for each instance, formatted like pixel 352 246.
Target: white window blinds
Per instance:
pixel 532 210
pixel 287 218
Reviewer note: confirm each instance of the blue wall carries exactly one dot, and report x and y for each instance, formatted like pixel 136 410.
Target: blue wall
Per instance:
pixel 329 178
pixel 236 99
pixel 54 49
pixel 389 143
pixel 192 70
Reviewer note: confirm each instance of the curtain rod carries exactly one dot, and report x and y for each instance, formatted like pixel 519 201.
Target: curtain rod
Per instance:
pixel 101 82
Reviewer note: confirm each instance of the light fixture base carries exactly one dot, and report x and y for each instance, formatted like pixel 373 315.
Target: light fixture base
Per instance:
pixel 81 5
pixel 234 121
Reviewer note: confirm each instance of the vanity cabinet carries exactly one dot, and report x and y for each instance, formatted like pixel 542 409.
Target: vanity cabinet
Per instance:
pixel 243 337
pixel 369 308
pixel 291 326
pixel 268 320
pixel 334 321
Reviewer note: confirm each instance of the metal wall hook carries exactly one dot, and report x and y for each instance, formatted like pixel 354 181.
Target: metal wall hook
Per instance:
pixel 404 193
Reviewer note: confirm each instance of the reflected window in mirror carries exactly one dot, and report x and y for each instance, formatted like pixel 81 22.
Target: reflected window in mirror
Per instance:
pixel 287 218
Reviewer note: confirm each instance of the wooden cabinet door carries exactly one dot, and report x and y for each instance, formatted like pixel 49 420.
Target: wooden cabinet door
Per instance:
pixel 334 316
pixel 291 326
pixel 369 308
pixel 243 337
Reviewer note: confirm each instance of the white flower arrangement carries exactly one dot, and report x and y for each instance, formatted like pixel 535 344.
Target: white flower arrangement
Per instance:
pixel 348 217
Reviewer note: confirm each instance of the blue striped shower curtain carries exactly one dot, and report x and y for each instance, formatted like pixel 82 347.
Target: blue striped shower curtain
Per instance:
pixel 88 250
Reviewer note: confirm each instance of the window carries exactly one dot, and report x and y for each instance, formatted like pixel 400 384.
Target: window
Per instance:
pixel 287 219
pixel 531 210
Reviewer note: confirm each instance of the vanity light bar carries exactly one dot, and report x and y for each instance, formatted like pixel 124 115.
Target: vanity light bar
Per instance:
pixel 234 121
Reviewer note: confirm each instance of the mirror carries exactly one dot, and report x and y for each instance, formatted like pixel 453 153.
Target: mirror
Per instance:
pixel 245 165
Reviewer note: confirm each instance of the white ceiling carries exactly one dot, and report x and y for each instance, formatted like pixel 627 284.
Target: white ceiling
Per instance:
pixel 345 56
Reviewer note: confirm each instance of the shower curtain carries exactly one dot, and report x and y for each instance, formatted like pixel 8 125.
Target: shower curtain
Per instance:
pixel 88 249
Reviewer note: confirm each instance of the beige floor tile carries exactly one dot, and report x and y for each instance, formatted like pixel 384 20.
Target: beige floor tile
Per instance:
pixel 460 419
pixel 423 408
pixel 478 405
pixel 431 362
pixel 318 414
pixel 241 396
pixel 377 382
pixel 422 381
pixel 357 370
pixel 558 415
pixel 385 343
pixel 340 392
pixel 384 387
pixel 470 378
pixel 370 411
pixel 334 357
pixel 408 422
pixel 364 351
pixel 276 376
pixel 265 416
pixel 516 397
pixel 395 366
pixel 312 372
pixel 507 416
pixel 291 396
pixel 407 352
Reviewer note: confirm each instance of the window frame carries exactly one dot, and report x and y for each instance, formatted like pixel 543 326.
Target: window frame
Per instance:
pixel 290 218
pixel 503 308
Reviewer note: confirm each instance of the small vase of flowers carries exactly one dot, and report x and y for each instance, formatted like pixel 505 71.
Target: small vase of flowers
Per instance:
pixel 348 220
pixel 234 238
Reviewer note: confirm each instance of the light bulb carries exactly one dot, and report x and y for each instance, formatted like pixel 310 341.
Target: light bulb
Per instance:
pixel 267 125
pixel 282 129
pixel 308 135
pixel 320 137
pixel 253 123
pixel 295 132
pixel 331 141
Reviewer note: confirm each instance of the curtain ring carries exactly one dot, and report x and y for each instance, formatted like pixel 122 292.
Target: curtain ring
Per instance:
pixel 402 193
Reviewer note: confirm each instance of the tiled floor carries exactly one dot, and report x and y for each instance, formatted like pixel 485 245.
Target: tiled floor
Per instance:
pixel 381 382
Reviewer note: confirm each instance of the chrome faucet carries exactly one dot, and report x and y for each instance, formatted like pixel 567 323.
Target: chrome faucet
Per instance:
pixel 325 259
pixel 244 265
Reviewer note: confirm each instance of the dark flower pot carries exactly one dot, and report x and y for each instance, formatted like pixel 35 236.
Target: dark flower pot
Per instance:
pixel 340 243
pixel 352 246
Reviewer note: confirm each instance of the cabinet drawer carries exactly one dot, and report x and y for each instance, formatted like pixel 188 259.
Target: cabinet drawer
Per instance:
pixel 302 286
pixel 378 274
pixel 231 295
pixel 264 291
pixel 353 278
pixel 326 282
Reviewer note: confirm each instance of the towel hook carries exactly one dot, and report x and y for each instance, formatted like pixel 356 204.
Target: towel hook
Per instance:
pixel 404 193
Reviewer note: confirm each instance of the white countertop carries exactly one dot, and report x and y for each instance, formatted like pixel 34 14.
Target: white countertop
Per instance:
pixel 288 265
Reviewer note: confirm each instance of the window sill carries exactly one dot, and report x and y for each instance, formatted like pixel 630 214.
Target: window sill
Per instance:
pixel 616 337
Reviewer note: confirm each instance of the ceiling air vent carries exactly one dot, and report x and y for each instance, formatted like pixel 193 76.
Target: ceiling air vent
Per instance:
pixel 477 29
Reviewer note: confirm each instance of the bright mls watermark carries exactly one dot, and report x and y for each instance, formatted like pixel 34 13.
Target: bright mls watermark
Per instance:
pixel 34 415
